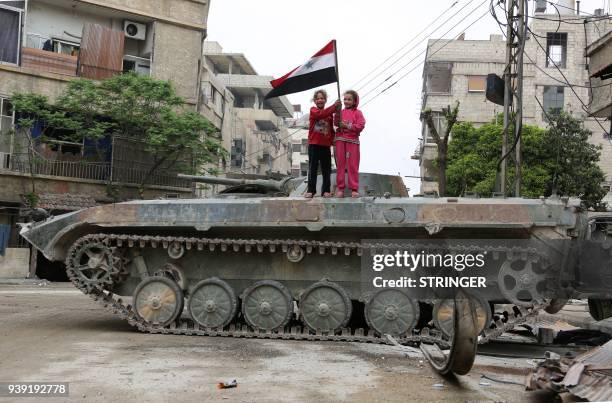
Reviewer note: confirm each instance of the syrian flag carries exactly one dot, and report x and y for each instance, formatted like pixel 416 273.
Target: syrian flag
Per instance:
pixel 319 70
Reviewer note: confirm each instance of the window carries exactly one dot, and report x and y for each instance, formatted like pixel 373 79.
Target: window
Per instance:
pixel 304 169
pixel 6 125
pixel 139 65
pixel 553 99
pixel 438 78
pixel 556 49
pixel 10 34
pixel 65 47
pixel 440 124
pixel 296 147
pixel 237 153
pixel 477 83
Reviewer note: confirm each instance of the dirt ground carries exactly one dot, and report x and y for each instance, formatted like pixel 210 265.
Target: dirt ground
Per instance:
pixel 57 334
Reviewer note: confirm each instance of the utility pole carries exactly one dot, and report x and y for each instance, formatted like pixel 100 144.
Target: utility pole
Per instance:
pixel 513 95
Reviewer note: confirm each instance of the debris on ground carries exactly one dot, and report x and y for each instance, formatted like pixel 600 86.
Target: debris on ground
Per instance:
pixel 585 337
pixel 588 376
pixel 232 383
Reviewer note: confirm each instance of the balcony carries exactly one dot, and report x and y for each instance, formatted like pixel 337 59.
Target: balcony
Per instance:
pixel 87 171
pixel 265 119
pixel 51 62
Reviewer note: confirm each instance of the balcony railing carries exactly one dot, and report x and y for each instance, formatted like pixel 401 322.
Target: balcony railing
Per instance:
pixel 98 171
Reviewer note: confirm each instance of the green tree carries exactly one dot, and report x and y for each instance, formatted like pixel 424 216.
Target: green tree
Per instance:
pixel 558 159
pixel 133 106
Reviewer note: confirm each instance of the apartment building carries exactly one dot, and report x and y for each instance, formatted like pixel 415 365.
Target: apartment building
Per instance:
pixel 46 43
pixel 298 128
pixel 253 129
pixel 455 70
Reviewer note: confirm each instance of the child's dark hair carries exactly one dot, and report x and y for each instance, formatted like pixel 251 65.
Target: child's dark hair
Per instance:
pixel 352 93
pixel 317 92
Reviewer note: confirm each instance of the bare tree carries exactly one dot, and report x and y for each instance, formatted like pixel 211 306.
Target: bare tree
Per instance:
pixel 441 139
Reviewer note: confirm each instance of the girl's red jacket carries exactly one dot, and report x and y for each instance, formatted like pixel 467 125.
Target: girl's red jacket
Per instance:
pixel 321 129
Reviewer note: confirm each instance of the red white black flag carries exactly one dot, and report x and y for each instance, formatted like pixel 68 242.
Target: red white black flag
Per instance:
pixel 319 70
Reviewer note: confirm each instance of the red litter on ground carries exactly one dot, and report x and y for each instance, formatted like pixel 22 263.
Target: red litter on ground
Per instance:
pixel 227 384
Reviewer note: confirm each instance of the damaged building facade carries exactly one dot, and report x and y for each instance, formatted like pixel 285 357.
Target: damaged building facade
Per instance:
pixel 456 70
pixel 44 44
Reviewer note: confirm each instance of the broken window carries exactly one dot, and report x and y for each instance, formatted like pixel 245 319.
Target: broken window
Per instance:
pixel 438 78
pixel 477 83
pixel 553 99
pixel 440 125
pixel 556 49
pixel 10 32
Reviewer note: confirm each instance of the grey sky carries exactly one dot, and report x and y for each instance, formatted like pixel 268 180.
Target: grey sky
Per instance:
pixel 278 35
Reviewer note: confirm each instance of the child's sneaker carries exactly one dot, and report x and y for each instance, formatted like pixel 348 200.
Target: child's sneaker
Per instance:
pixel 340 194
pixel 354 194
pixel 308 195
pixel 327 195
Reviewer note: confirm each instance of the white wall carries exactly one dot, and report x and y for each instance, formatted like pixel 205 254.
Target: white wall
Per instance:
pixel 51 21
pixel 15 263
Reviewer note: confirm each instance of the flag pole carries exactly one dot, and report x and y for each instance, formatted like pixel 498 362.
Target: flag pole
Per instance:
pixel 337 73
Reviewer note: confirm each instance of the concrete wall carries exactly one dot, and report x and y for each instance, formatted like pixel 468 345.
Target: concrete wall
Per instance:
pixel 15 263
pixel 51 21
pixel 193 12
pixel 176 56
pixel 12 185
pixel 15 79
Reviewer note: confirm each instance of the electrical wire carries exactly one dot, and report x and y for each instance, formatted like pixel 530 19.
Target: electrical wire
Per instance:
pixel 568 8
pixel 419 54
pixel 413 47
pixel 562 82
pixel 584 106
pixel 574 21
pixel 412 40
pixel 419 64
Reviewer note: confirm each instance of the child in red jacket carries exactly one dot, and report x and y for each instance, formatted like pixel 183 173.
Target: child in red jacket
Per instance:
pixel 350 124
pixel 320 138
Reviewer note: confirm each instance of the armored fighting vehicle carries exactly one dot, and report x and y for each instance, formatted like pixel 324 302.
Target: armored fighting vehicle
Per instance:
pixel 260 260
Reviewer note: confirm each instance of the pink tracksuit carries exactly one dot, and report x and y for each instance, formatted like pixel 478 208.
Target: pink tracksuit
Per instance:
pixel 347 147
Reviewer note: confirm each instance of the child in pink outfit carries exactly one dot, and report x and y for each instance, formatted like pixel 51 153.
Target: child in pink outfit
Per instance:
pixel 350 125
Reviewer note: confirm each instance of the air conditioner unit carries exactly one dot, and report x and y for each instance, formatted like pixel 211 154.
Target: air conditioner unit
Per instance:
pixel 134 30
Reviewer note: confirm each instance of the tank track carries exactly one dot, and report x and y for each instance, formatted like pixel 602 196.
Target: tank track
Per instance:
pixel 184 326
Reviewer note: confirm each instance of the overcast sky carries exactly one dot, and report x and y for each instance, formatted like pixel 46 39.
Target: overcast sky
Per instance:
pixel 278 35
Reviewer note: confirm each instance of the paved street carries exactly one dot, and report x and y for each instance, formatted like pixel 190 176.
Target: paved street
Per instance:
pixel 54 333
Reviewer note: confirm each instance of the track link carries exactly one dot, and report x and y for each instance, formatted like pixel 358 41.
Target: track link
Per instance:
pixel 184 326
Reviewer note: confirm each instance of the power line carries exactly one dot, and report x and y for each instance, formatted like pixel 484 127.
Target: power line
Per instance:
pixel 584 106
pixel 568 8
pixel 419 54
pixel 574 21
pixel 413 47
pixel 409 42
pixel 563 82
pixel 411 70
